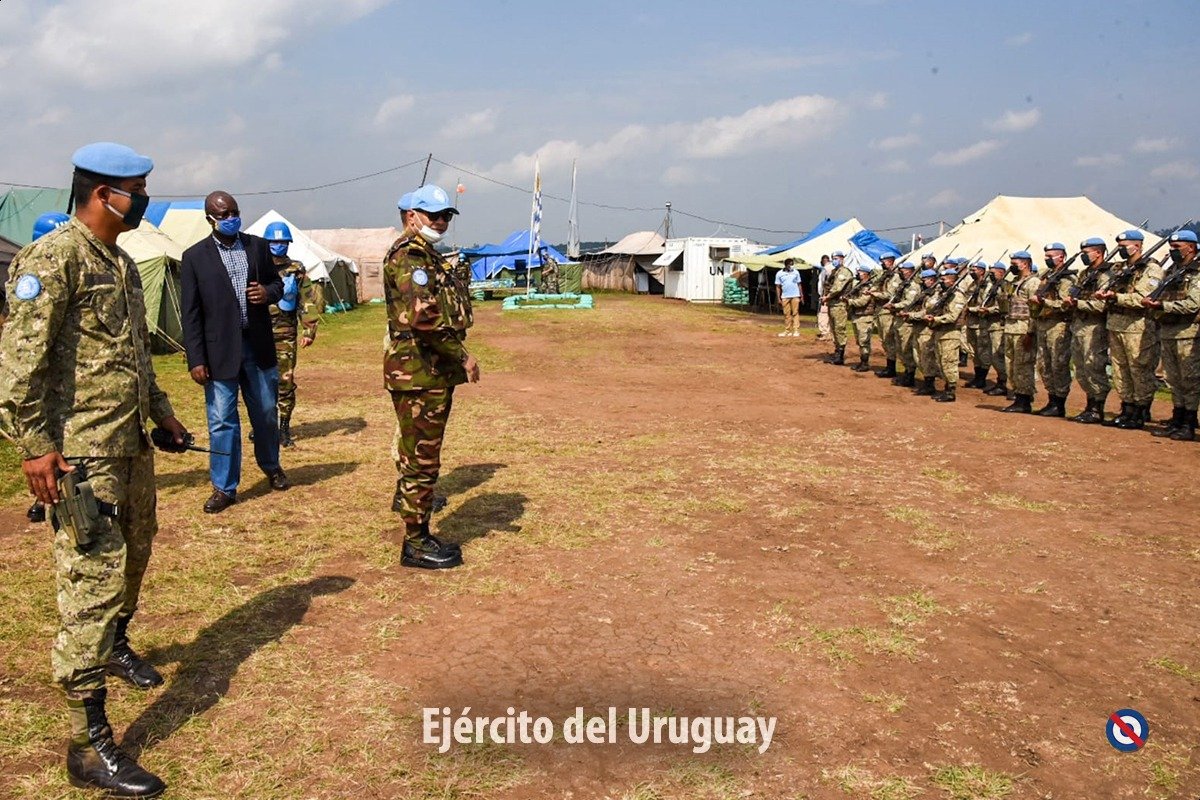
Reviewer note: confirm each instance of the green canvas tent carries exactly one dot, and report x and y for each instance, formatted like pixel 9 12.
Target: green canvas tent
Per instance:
pixel 20 208
pixel 158 257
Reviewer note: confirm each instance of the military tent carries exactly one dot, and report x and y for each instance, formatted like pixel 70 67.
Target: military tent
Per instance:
pixel 182 220
pixel 628 265
pixel 1007 224
pixel 826 237
pixel 158 257
pixel 509 259
pixel 20 208
pixel 335 274
pixel 367 246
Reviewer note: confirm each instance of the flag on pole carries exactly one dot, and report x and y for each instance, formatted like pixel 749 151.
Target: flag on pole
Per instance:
pixel 535 225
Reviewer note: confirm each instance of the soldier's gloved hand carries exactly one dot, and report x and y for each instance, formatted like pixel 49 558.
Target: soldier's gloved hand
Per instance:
pixel 42 473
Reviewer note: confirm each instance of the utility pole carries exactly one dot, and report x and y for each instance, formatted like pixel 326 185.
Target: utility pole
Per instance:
pixel 667 226
pixel 425 174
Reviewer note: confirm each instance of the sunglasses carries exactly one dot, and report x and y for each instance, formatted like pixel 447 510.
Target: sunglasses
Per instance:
pixel 444 216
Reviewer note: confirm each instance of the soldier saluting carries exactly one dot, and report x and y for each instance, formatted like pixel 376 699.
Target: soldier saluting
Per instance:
pixel 77 383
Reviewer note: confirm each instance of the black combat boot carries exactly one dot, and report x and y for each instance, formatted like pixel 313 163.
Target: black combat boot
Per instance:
pixel 93 759
pixel 424 551
pixel 864 363
pixel 979 381
pixel 1056 406
pixel 889 371
pixel 1000 389
pixel 1187 431
pixel 908 379
pixel 1121 417
pixel 1021 404
pixel 926 389
pixel 1138 414
pixel 285 433
pixel 962 358
pixel 839 356
pixel 128 665
pixel 427 535
pixel 1177 420
pixel 946 395
pixel 1093 414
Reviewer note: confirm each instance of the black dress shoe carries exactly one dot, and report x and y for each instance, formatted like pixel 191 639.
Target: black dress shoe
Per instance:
pixel 218 502
pixel 428 552
pixel 279 481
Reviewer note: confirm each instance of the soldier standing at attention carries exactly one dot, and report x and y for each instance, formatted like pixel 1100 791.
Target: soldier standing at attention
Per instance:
pixel 296 308
pixel 1176 309
pixel 1133 343
pixel 1018 334
pixel 927 359
pixel 77 394
pixel 885 318
pixel 429 311
pixel 1052 326
pixel 837 286
pixel 943 322
pixel 1089 339
pixel 861 302
pixel 906 298
pixel 976 328
pixel 992 314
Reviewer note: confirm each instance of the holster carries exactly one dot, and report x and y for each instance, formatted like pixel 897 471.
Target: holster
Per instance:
pixel 84 517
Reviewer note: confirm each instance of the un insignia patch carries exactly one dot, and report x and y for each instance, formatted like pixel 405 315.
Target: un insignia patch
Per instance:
pixel 28 287
pixel 420 277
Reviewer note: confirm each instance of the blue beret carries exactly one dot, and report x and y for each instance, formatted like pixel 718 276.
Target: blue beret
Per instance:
pixel 1133 235
pixel 980 265
pixel 112 160
pixel 865 268
pixel 1022 254
pixel 929 273
pixel 950 271
pixel 837 254
pixel 1184 236
pixel 1092 241
pixel 1000 265
pixel 907 265
pixel 1056 246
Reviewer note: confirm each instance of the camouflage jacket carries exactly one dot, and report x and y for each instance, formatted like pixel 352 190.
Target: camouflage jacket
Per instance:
pixel 948 310
pixel 885 289
pixel 1126 312
pixel 75 369
pixel 860 299
pixel 1016 306
pixel 838 286
pixel 429 312
pixel 1087 282
pixel 1054 308
pixel 306 303
pixel 1180 304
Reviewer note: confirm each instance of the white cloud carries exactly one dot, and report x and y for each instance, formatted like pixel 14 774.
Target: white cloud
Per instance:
pixel 944 199
pixel 965 155
pixel 877 101
pixel 898 142
pixel 393 108
pixel 1019 39
pixel 763 127
pixel 686 175
pixel 55 115
pixel 173 40
pixel 896 166
pixel 192 169
pixel 468 126
pixel 1105 160
pixel 1017 121
pixel 1177 170
pixel 1161 145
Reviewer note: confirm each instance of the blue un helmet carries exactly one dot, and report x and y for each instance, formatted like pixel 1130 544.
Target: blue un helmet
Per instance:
pixel 48 222
pixel 277 232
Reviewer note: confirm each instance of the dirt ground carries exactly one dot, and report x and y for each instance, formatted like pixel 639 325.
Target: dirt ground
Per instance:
pixel 666 506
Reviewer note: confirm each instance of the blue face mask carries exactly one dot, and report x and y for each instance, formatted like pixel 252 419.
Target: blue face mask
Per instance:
pixel 229 227
pixel 279 249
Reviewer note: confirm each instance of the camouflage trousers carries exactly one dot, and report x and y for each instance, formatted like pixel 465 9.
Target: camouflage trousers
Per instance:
pixel 1134 356
pixel 1054 355
pixel 838 317
pixel 964 343
pixel 947 344
pixel 886 324
pixel 285 353
pixel 993 334
pixel 863 326
pixel 93 587
pixel 1181 364
pixel 1019 356
pixel 1089 355
pixel 906 340
pixel 979 345
pixel 421 417
pixel 927 355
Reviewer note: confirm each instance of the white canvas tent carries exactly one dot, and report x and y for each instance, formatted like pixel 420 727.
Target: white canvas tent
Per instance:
pixel 627 265
pixel 321 263
pixel 1010 223
pixel 696 267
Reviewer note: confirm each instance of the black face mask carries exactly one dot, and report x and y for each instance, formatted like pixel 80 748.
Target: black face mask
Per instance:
pixel 1049 263
pixel 1013 270
pixel 1176 256
pixel 137 207
pixel 1124 252
pixel 1086 259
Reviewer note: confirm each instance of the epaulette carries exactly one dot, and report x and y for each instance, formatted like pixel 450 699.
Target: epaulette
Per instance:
pixel 403 241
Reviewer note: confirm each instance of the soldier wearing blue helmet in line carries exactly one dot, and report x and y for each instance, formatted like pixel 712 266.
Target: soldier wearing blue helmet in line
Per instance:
pixel 860 303
pixel 1018 333
pixel 886 286
pixel 1175 307
pixel 79 320
pixel 910 294
pixel 976 327
pixel 1052 331
pixel 925 340
pixel 295 310
pixel 839 284
pixel 944 318
pixel 1089 338
pixel 992 314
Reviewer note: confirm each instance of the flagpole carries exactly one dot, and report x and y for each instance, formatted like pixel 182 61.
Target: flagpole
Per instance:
pixel 535 224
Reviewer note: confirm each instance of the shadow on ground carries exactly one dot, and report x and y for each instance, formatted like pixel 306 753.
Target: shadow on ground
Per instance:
pixel 209 662
pixel 325 427
pixel 467 477
pixel 481 515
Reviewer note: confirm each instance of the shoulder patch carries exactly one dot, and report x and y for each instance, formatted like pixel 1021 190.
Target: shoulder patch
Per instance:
pixel 1154 282
pixel 28 287
pixel 420 277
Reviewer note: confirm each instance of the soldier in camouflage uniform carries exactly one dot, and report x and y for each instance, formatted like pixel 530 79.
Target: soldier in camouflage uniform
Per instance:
pixel 429 312
pixel 923 338
pixel 906 296
pixel 297 307
pixel 1133 345
pixel 978 342
pixel 1089 339
pixel 1018 333
pixel 549 273
pixel 839 284
pixel 1052 329
pixel 992 326
pixel 885 317
pixel 1176 310
pixel 944 321
pixel 77 393
pixel 861 304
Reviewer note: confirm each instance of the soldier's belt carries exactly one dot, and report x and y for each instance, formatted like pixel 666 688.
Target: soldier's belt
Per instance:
pixel 401 335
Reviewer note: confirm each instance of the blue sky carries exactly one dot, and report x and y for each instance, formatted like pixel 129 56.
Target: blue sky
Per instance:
pixel 895 112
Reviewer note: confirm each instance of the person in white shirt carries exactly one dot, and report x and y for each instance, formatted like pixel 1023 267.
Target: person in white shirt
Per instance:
pixel 790 292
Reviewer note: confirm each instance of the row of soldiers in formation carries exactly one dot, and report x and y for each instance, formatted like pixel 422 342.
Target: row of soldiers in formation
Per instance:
pixel 1120 310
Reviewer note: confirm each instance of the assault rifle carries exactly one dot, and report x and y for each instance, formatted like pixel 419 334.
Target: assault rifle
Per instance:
pixel 1123 277
pixel 943 301
pixel 995 287
pixel 1055 277
pixel 1173 278
pixel 1090 276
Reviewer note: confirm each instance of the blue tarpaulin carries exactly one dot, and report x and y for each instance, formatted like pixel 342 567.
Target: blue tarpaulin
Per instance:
pixel 157 210
pixel 513 253
pixel 820 229
pixel 874 245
